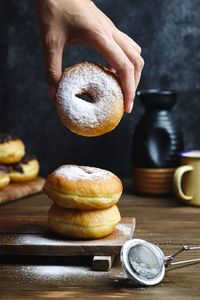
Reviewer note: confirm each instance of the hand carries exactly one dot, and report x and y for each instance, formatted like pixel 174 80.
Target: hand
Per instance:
pixel 67 22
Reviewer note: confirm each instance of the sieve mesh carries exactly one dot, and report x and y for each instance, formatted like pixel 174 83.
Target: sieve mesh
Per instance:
pixel 144 262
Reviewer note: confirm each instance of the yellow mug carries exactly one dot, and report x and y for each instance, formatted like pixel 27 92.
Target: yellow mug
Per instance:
pixel 187 178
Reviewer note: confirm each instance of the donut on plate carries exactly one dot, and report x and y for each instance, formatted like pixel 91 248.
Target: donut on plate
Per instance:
pixel 11 149
pixel 25 170
pixel 83 187
pixel 4 176
pixel 84 224
pixel 93 118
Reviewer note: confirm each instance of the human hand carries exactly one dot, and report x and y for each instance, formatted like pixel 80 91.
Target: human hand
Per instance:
pixel 67 22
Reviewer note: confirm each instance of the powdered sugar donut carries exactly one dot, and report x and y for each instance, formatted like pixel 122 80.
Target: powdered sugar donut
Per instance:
pixel 102 86
pixel 82 187
pixel 83 224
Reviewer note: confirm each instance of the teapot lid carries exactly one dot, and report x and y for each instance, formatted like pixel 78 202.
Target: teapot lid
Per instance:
pixel 157 98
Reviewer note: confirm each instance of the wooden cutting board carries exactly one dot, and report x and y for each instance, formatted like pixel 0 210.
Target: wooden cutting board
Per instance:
pixel 31 235
pixel 19 190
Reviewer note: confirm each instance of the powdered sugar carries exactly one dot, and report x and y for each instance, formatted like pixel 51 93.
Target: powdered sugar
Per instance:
pixel 126 230
pixel 73 172
pixel 144 271
pixel 66 275
pixel 100 85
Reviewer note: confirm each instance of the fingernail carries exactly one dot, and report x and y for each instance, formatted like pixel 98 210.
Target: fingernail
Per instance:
pixel 51 92
pixel 112 70
pixel 130 107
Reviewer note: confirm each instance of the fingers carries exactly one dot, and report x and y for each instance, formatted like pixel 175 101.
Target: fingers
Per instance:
pixel 53 55
pixel 119 62
pixel 131 41
pixel 133 53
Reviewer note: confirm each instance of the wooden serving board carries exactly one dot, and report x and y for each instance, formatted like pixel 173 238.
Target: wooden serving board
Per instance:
pixel 31 235
pixel 19 190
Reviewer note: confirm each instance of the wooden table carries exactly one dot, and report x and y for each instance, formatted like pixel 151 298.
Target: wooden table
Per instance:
pixel 163 221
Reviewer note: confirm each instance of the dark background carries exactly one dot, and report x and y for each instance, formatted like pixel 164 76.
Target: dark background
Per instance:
pixel 168 32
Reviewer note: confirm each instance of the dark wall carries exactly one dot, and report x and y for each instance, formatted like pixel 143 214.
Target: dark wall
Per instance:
pixel 169 33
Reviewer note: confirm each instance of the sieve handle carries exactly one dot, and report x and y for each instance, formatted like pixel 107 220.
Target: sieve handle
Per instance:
pixel 169 259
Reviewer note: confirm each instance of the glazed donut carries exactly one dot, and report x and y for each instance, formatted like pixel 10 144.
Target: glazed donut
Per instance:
pixel 27 169
pixel 4 176
pixel 89 118
pixel 83 187
pixel 87 224
pixel 11 149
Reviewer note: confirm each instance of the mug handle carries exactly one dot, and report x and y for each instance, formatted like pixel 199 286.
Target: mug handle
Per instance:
pixel 177 182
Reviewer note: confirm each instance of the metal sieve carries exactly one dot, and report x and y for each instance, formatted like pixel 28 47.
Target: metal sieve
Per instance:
pixel 145 262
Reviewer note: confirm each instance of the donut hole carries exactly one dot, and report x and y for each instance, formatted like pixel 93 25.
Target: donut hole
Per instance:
pixel 85 97
pixel 88 172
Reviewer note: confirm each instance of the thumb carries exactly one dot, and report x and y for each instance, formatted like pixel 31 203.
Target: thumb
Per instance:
pixel 53 56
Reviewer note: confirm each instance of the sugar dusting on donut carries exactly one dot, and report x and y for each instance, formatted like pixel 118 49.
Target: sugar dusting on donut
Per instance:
pixel 73 172
pixel 104 89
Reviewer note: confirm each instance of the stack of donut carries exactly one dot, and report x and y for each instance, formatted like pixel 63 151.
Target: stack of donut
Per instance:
pixel 85 197
pixel 15 164
pixel 84 201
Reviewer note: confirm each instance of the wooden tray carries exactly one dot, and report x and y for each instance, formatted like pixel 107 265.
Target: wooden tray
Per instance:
pixel 19 190
pixel 31 235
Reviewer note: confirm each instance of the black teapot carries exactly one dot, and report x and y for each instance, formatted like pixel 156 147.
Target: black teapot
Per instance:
pixel 158 138
pixel 156 142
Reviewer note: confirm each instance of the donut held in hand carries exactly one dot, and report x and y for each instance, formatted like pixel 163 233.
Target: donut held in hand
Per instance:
pixel 89 118
pixel 25 170
pixel 11 149
pixel 83 187
pixel 87 224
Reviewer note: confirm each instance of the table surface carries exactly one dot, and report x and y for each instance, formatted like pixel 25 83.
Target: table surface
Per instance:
pixel 164 221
